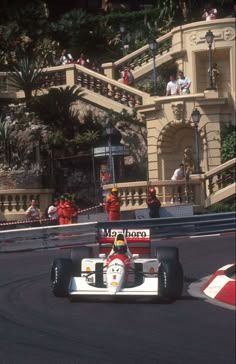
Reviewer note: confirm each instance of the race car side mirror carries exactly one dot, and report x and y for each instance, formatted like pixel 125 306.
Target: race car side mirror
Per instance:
pixel 135 256
pixel 102 256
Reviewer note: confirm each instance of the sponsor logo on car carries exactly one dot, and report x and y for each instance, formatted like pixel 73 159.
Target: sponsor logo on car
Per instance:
pixel 129 233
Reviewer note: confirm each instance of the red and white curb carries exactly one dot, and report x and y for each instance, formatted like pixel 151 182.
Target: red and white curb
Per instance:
pixel 221 286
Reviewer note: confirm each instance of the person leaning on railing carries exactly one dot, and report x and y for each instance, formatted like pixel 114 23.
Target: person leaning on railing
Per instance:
pixel 183 84
pixel 177 189
pixel 33 213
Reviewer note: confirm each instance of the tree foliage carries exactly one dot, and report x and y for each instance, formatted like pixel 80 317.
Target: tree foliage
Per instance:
pixel 228 149
pixel 26 75
pixel 55 110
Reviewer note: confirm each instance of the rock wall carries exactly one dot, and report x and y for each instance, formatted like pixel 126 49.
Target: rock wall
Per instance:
pixel 19 179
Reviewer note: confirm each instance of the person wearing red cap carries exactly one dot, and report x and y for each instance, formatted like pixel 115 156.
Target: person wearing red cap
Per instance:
pixel 113 205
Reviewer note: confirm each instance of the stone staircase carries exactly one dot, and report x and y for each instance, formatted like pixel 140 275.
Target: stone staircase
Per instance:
pixel 186 46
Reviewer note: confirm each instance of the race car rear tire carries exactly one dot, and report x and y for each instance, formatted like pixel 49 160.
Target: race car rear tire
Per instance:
pixel 77 255
pixel 170 279
pixel 61 273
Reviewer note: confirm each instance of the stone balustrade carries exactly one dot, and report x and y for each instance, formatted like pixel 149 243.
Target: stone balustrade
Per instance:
pixel 70 75
pixel 199 191
pixel 137 59
pixel 134 194
pixel 14 202
pixel 220 182
pixel 111 89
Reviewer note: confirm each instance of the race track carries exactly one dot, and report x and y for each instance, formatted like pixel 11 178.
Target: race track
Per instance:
pixel 36 327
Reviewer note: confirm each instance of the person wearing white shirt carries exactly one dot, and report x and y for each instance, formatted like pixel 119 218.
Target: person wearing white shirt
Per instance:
pixel 209 13
pixel 177 176
pixel 53 211
pixel 183 84
pixel 171 87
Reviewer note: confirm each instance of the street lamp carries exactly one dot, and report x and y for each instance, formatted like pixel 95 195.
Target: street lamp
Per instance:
pixel 109 130
pixel 122 30
pixel 196 118
pixel 209 38
pixel 153 47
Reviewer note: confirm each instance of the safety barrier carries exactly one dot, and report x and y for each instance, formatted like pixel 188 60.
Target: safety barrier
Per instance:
pixel 87 233
pixel 41 222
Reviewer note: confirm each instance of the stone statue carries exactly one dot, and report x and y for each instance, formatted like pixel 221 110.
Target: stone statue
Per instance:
pixel 178 111
pixel 188 161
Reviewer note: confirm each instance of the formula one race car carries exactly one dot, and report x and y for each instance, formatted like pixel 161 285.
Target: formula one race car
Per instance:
pixel 119 270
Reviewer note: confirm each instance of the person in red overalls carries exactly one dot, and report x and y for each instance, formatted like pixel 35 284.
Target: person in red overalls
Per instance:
pixel 113 205
pixel 61 210
pixel 69 210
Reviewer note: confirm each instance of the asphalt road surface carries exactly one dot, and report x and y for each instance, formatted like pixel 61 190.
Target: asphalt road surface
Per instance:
pixel 36 327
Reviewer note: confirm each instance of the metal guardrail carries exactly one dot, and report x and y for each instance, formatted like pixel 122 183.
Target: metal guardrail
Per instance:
pixel 86 233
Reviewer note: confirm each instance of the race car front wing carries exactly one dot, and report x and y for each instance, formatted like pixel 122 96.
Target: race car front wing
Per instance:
pixel 79 286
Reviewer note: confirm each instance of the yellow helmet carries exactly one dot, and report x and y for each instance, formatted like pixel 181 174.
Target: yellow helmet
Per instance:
pixel 120 242
pixel 114 189
pixel 120 245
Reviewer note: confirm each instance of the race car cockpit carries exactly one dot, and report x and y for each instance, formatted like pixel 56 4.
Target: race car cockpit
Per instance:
pixel 120 246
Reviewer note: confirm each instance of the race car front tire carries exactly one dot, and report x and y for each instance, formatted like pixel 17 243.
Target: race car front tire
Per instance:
pixel 77 255
pixel 170 279
pixel 61 273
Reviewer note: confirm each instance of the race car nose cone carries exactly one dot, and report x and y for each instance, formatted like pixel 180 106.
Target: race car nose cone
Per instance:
pixel 115 276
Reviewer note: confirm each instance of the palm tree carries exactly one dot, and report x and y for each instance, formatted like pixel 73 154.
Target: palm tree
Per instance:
pixel 54 109
pixel 26 75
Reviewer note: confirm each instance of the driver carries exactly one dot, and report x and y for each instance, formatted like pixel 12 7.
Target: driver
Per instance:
pixel 120 246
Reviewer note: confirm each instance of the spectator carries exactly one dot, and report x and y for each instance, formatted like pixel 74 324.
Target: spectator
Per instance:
pixel 113 205
pixel 215 73
pixel 88 63
pixel 177 189
pixel 53 211
pixel 209 13
pixel 33 213
pixel 61 210
pixel 154 203
pixel 183 84
pixel 128 78
pixel 66 58
pixel 171 87
pixel 81 60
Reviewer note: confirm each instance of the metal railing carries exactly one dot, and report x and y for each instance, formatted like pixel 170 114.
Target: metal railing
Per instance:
pixel 87 233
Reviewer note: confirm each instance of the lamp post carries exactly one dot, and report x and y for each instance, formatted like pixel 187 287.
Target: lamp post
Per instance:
pixel 209 38
pixel 109 132
pixel 122 30
pixel 196 118
pixel 153 47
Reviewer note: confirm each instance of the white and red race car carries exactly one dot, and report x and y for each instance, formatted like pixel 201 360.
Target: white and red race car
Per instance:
pixel 119 270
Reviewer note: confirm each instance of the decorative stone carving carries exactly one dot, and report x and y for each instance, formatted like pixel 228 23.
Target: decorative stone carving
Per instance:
pixel 200 37
pixel 229 34
pixel 193 38
pixel 178 111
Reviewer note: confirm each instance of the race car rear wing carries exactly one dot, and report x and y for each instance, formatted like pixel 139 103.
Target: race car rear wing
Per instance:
pixel 138 240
